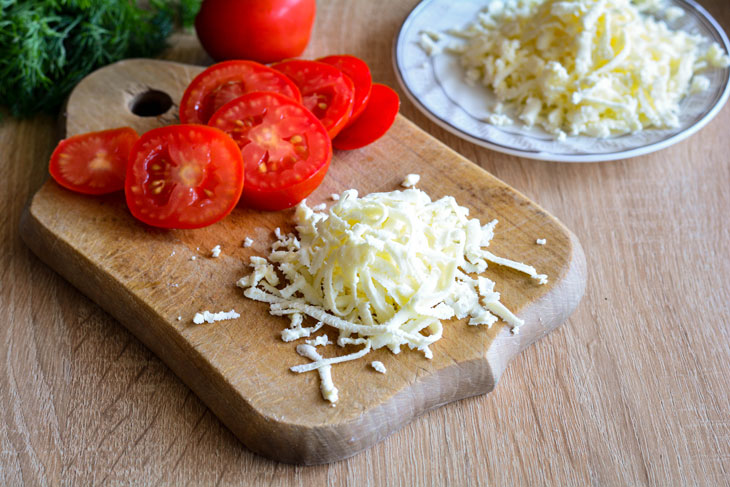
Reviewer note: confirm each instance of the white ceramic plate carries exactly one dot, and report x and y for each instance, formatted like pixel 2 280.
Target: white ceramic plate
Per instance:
pixel 436 85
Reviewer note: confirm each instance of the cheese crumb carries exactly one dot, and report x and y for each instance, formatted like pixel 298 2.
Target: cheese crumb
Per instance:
pixel 322 340
pixel 320 207
pixel 410 180
pixel 699 84
pixel 193 257
pixel 179 318
pixel 541 241
pixel 378 365
pixel 385 270
pixel 215 252
pixel 172 253
pixel 297 332
pixel 207 316
pixel 428 44
pixel 673 13
pixel 334 197
pixel 247 242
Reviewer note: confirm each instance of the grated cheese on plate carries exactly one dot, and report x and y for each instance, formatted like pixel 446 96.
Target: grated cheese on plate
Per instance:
pixel 599 68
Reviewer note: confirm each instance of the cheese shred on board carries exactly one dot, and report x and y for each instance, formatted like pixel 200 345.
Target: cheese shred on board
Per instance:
pixel 585 67
pixel 385 270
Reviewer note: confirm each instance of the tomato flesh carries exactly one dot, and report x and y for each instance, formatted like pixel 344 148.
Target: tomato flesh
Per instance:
pixel 326 91
pixel 373 123
pixel 93 163
pixel 286 151
pixel 183 176
pixel 226 81
pixel 359 72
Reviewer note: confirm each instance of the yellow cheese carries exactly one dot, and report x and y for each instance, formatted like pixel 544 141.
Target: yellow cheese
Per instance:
pixel 585 67
pixel 385 270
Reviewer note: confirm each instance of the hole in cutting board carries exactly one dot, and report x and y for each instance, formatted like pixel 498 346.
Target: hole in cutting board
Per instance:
pixel 150 103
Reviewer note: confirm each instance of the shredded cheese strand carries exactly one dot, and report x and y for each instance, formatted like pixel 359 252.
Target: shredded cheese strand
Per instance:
pixel 321 362
pixel 327 386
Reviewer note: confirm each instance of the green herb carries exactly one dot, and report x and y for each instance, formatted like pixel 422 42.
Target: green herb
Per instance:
pixel 47 46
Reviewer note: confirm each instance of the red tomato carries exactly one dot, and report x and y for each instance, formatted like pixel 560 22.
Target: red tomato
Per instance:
pixel 226 81
pixel 93 163
pixel 374 122
pixel 359 72
pixel 183 176
pixel 286 150
pixel 326 91
pixel 262 30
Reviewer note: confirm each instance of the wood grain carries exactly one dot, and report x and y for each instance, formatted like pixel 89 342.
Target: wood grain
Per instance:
pixel 633 390
pixel 153 281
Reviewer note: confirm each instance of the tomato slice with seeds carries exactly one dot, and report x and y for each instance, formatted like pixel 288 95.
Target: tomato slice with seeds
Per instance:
pixel 226 81
pixel 373 123
pixel 359 72
pixel 183 176
pixel 286 150
pixel 326 91
pixel 93 163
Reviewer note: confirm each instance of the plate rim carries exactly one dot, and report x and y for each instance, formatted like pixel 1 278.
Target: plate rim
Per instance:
pixel 556 157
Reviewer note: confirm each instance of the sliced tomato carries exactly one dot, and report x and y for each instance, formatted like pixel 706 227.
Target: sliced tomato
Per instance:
pixel 93 163
pixel 183 176
pixel 326 91
pixel 359 72
pixel 373 123
pixel 286 150
pixel 226 81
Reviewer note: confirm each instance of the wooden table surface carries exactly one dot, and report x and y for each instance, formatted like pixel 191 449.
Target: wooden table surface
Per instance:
pixel 633 390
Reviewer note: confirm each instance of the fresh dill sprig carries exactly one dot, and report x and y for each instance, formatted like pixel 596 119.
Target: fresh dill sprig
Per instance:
pixel 47 46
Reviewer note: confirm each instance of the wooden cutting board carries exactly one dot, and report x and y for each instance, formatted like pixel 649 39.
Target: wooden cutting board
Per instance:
pixel 147 278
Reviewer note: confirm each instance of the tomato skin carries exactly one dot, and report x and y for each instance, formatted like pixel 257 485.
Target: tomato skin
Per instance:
pixel 326 91
pixel 373 123
pixel 359 72
pixel 286 150
pixel 93 163
pixel 225 81
pixel 183 176
pixel 286 197
pixel 261 30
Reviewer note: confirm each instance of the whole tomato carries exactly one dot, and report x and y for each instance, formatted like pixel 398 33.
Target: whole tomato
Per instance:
pixel 261 30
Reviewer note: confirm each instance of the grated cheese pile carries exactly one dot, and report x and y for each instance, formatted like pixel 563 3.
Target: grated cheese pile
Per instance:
pixel 384 270
pixel 595 67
